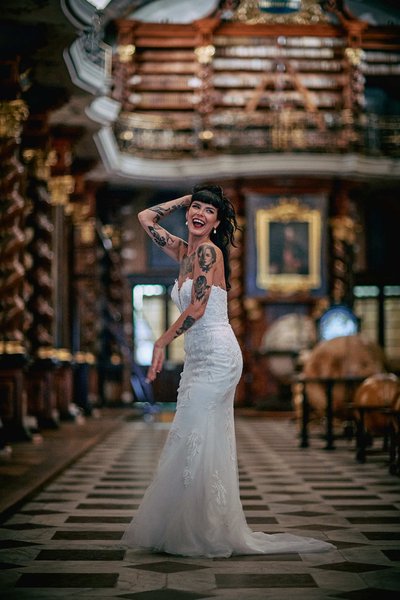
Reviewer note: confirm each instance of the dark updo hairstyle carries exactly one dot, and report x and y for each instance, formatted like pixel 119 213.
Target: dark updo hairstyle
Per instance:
pixel 224 237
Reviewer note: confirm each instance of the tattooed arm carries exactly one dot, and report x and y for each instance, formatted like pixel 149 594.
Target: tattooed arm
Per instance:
pixel 203 276
pixel 149 220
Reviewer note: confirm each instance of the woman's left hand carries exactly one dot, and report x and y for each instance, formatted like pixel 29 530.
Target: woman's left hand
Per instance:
pixel 156 362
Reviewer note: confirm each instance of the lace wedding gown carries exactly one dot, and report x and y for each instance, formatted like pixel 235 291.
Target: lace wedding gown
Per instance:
pixel 192 507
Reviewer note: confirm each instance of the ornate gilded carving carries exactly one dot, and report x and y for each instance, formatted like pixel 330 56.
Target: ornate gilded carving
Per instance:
pixel 310 13
pixel 126 52
pixel 204 54
pixel 39 276
pixel 40 162
pixel 344 231
pixel 12 115
pixel 12 240
pixel 124 67
pixel 86 276
pixel 236 308
pixel 61 187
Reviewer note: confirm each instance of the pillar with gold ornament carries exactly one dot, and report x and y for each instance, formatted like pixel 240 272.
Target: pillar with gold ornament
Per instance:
pixel 124 66
pixel 113 343
pixel 60 188
pixel 13 113
pixel 204 52
pixel 343 234
pixel 86 310
pixel 42 403
pixel 49 379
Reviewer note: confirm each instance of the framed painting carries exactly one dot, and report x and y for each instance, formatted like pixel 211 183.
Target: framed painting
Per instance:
pixel 288 238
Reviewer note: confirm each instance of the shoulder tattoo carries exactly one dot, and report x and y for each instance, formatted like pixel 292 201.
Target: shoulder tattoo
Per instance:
pixel 207 257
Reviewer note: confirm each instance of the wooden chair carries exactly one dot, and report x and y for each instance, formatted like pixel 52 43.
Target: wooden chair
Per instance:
pixel 373 406
pixel 394 438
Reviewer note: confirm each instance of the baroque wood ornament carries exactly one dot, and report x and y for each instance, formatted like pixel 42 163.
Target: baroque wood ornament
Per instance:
pixel 13 208
pixel 280 11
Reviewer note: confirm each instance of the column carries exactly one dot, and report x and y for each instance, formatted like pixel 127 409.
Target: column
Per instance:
pixel 13 319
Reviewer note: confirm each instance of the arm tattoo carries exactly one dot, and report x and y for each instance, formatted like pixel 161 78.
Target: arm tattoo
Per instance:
pixel 207 257
pixel 201 288
pixel 187 323
pixel 161 211
pixel 160 240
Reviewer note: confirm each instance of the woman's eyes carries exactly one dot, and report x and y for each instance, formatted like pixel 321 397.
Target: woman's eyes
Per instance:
pixel 209 210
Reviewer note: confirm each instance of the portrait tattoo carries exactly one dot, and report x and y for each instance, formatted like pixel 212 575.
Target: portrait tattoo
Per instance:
pixel 207 257
pixel 187 323
pixel 200 288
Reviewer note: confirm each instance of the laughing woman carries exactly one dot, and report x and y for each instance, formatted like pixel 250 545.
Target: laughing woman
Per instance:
pixel 192 507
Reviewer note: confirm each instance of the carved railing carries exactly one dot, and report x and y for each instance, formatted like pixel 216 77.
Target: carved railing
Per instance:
pixel 286 131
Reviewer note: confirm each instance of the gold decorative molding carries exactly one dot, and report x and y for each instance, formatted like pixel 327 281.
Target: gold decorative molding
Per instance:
pixel 48 352
pixel 126 52
pixel 344 229
pixel 206 135
pixel 288 209
pixel 12 115
pixel 204 54
pixel 84 358
pixel 11 347
pixel 355 56
pixel 41 161
pixel 115 359
pixel 311 12
pixel 253 309
pixel 63 354
pixel 61 187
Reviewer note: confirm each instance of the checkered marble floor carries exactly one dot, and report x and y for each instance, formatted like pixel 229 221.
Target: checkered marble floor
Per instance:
pixel 65 542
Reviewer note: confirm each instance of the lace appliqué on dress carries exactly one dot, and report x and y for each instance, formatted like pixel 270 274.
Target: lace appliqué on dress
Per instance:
pixel 218 489
pixel 193 442
pixel 229 435
pixel 173 436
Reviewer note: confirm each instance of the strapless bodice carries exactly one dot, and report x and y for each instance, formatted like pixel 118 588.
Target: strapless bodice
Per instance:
pixel 216 313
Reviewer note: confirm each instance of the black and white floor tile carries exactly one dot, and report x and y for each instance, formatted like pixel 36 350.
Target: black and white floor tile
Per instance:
pixel 65 542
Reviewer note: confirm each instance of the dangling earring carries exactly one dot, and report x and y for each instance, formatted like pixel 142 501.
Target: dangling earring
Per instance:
pixel 186 222
pixel 215 231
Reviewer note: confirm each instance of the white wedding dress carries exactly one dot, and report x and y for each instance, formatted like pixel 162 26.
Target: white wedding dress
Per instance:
pixel 193 507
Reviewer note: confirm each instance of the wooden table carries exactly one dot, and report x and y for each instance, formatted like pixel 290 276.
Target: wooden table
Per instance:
pixel 329 383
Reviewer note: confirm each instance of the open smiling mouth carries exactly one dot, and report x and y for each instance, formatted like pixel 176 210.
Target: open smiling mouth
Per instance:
pixel 198 223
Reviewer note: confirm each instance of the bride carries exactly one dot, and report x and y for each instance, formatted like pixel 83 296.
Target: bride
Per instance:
pixel 192 507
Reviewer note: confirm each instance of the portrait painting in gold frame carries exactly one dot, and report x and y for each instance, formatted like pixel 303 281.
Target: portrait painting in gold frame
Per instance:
pixel 288 247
